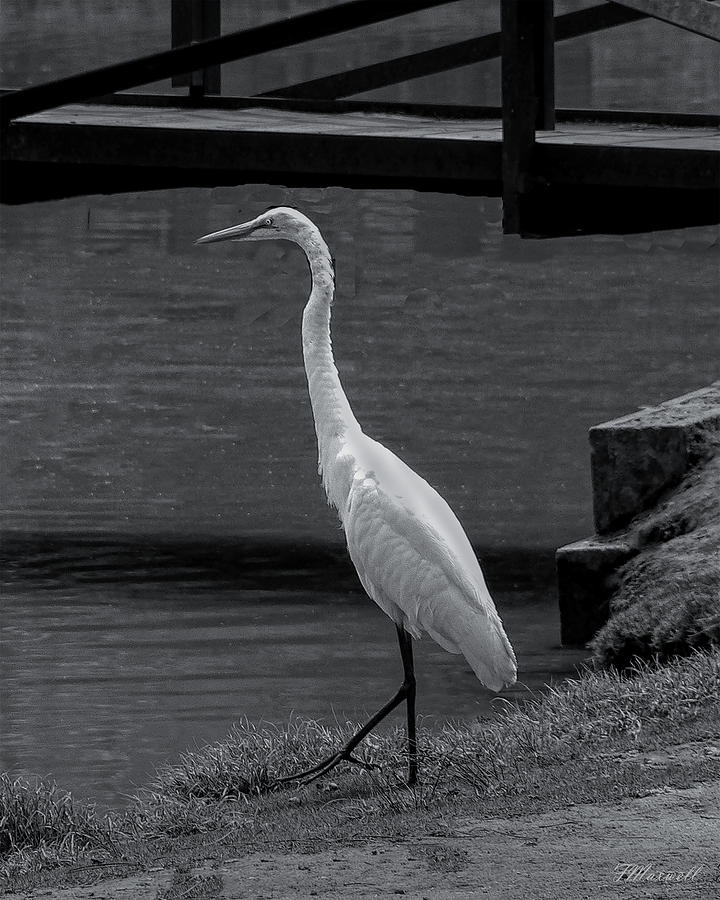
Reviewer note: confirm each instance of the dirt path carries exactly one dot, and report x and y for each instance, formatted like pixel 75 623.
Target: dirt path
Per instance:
pixel 573 853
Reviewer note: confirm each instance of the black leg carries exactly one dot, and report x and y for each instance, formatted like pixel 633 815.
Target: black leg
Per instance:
pixel 406 692
pixel 406 652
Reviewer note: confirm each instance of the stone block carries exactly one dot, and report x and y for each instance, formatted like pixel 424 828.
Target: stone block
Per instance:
pixel 636 458
pixel 586 573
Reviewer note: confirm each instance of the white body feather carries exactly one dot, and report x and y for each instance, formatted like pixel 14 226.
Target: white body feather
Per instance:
pixel 415 561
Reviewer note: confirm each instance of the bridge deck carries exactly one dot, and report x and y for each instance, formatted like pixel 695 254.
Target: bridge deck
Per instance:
pixel 211 145
pixel 370 123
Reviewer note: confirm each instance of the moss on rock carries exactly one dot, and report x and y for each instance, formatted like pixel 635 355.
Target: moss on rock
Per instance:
pixel 668 596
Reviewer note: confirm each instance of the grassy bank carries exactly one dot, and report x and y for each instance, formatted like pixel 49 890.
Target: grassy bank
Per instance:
pixel 582 741
pixel 668 595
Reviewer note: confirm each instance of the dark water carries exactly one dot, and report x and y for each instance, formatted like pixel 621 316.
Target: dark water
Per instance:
pixel 151 647
pixel 170 564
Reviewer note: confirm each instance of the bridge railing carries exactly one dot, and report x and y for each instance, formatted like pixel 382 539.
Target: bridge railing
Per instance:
pixel 199 48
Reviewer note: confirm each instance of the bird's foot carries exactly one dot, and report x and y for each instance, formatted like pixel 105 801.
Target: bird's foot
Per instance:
pixel 322 768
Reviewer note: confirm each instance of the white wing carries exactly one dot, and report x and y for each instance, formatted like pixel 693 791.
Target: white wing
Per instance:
pixel 417 564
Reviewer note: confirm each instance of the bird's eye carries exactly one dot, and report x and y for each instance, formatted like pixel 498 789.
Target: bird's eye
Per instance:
pixel 268 222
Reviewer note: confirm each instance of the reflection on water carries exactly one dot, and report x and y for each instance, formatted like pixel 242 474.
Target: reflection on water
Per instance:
pixel 171 564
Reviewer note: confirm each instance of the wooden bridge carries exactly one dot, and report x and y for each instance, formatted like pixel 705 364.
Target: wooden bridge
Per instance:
pixel 558 171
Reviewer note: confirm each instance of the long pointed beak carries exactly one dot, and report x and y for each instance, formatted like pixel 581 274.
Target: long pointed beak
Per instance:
pixel 236 233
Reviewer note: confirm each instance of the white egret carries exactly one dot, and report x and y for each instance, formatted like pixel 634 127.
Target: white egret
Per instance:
pixel 411 553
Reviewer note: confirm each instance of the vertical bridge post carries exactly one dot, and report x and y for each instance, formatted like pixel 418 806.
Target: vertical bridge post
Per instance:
pixel 192 21
pixel 528 96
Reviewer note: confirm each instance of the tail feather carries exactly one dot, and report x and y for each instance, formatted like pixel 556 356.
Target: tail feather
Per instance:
pixel 491 657
pixel 479 635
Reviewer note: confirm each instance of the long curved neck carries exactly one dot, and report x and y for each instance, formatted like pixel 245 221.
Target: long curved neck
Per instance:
pixel 334 419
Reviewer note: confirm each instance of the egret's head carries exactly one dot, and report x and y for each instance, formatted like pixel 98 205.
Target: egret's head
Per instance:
pixel 278 223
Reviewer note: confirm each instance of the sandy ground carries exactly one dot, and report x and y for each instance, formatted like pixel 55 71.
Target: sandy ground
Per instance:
pixel 578 852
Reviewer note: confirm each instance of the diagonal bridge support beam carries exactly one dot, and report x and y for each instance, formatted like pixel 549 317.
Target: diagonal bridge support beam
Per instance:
pixel 236 45
pixel 449 56
pixel 698 16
